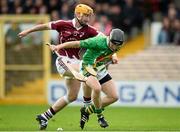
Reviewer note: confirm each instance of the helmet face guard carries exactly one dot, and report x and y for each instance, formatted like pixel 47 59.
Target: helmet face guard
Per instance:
pixel 117 36
pixel 118 43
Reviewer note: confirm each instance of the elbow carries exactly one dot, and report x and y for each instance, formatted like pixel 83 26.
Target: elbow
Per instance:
pixel 43 26
pixel 46 26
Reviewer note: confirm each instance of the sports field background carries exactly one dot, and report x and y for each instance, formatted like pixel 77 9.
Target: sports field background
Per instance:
pixel 22 118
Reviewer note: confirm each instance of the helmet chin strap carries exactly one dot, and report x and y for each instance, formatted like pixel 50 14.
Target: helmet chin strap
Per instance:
pixel 79 21
pixel 110 46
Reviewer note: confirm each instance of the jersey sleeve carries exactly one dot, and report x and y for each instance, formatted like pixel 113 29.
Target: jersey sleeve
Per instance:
pixel 56 25
pixel 89 43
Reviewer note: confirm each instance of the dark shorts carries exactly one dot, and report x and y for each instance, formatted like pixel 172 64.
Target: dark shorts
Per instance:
pixel 105 79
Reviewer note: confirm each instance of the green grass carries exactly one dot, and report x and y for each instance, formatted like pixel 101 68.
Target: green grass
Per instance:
pixel 22 118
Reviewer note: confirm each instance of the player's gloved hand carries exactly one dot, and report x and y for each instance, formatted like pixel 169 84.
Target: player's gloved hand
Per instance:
pixel 23 33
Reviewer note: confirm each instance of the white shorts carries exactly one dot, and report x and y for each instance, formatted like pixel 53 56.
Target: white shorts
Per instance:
pixel 101 70
pixel 61 68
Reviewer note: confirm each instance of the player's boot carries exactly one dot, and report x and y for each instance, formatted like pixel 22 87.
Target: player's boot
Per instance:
pixel 102 122
pixel 84 117
pixel 42 122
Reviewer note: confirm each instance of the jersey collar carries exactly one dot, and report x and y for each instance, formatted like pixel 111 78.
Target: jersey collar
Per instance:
pixel 74 24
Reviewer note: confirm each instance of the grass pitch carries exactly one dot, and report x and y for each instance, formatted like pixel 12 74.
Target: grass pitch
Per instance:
pixel 22 118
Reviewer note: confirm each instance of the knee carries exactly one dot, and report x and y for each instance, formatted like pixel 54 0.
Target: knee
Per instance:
pixel 97 89
pixel 72 98
pixel 115 98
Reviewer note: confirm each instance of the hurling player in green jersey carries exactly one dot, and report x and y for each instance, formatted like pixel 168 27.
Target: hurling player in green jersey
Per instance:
pixel 95 47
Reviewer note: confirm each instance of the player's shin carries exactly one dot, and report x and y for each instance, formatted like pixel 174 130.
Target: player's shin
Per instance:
pixel 87 96
pixel 90 109
pixel 60 103
pixel 94 84
pixel 48 114
pixel 44 117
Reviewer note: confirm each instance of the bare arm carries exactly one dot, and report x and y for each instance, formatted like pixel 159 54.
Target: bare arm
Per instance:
pixel 38 27
pixel 71 44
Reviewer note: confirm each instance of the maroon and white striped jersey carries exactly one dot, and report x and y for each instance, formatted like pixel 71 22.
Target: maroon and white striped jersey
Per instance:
pixel 68 32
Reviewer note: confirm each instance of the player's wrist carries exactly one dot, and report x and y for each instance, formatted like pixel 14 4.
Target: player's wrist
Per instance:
pixel 28 31
pixel 58 47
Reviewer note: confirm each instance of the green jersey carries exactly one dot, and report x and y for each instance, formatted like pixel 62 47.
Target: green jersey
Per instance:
pixel 96 47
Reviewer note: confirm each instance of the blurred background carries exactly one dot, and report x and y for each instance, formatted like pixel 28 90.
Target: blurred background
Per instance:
pixel 150 57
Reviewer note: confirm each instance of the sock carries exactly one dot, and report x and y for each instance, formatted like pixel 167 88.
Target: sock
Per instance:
pixel 49 113
pixel 99 113
pixel 87 101
pixel 90 109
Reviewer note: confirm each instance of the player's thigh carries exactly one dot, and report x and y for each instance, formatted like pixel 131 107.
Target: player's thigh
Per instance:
pixel 109 89
pixel 73 87
pixel 93 83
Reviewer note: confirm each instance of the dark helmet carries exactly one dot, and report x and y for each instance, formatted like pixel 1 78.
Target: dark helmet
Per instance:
pixel 117 36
